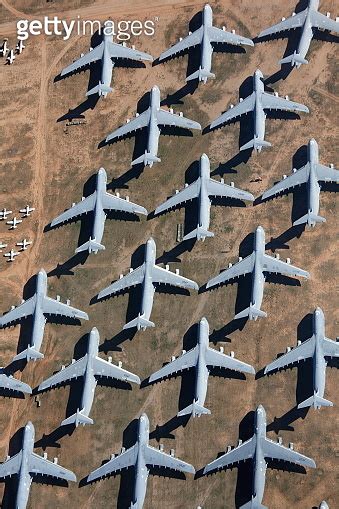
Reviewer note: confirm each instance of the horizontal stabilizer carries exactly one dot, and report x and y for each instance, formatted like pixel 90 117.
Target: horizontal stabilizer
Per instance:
pixel 195 409
pixel 140 323
pixel 29 354
pixel 201 75
pixel 147 159
pixel 100 89
pixel 294 59
pixel 77 418
pixel 252 312
pixel 91 246
pixel 256 144
pixel 200 233
pixel 309 218
pixel 316 402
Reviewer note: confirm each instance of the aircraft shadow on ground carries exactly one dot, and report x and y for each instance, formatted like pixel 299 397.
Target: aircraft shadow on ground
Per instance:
pixel 193 62
pixel 86 228
pixel 75 393
pixel 191 218
pixel 26 326
pixel 187 393
pixel 94 68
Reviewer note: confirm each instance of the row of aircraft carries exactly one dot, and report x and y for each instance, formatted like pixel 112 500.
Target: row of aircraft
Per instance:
pixel 10 54
pixel 207 37
pixel 312 175
pixel 144 458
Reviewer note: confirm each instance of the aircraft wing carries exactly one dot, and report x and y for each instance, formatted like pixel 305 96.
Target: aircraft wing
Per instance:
pixel 111 202
pixel 23 310
pixel 272 102
pixel 74 370
pixel 301 352
pixel 215 188
pixel 238 269
pixel 327 174
pixel 323 22
pixel 160 275
pixel 40 465
pixel 120 51
pixel 188 193
pixel 172 119
pixel 185 361
pixel 280 452
pixel 330 347
pixel 133 278
pixel 133 125
pixel 217 35
pixel 293 22
pixel 240 109
pixel 191 40
pixel 155 457
pixel 279 267
pixel 220 360
pixel 109 370
pixel 91 56
pixel 11 383
pixel 123 460
pixel 11 466
pixel 295 179
pixel 55 307
pixel 240 453
pixel 84 206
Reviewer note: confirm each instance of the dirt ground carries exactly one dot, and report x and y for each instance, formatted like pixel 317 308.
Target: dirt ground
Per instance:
pixel 46 163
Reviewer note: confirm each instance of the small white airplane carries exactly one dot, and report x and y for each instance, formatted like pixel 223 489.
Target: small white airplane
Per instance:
pixel 11 255
pixel 4 48
pixel 4 213
pixel 10 57
pixel 26 211
pixel 24 244
pixel 20 47
pixel 13 223
pixel 2 246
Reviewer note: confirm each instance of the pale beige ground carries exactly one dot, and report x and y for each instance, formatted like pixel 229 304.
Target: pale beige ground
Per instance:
pixel 44 166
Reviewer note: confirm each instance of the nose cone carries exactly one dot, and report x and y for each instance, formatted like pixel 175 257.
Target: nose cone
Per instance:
pixel 319 312
pixel 260 230
pixel 144 420
pixel 151 243
pixel 94 334
pixel 324 505
pixel 258 73
pixel 42 273
pixel 208 8
pixel 29 427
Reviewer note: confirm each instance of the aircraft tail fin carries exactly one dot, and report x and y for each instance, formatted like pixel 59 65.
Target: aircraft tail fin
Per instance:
pixel 29 354
pixel 91 246
pixel 315 401
pixel 140 322
pixel 100 89
pixel 310 218
pixel 201 75
pixel 253 504
pixel 147 159
pixel 77 418
pixel 252 312
pixel 200 233
pixel 256 144
pixel 294 59
pixel 195 409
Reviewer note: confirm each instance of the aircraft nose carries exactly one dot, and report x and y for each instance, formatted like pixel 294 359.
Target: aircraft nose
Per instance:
pixel 260 229
pixel 155 89
pixel 259 73
pixel 323 505
pixel 204 321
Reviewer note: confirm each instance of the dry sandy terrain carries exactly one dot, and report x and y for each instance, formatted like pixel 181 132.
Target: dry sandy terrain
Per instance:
pixel 45 163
